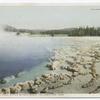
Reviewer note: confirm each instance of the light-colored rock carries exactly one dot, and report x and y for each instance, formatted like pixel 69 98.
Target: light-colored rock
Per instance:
pixel 45 90
pixel 5 90
pixel 34 89
pixel 47 76
pixel 0 91
pixel 13 90
pixel 82 70
pixel 18 87
pixel 49 65
pixel 37 81
pixel 31 83
pixel 62 77
pixel 55 65
pixel 24 86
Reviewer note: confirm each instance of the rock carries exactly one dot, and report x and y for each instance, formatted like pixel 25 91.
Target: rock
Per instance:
pixel 25 86
pixel 51 87
pixel 69 62
pixel 34 89
pixel 49 65
pixel 39 89
pixel 58 84
pixel 55 85
pixel 13 90
pixel 37 81
pixel 89 84
pixel 65 83
pixel 45 90
pixel 72 69
pixel 83 71
pixel 97 90
pixel 61 76
pixel 18 87
pixel 47 76
pixel 52 58
pixel 56 78
pixel 5 90
pixel 64 66
pixel 47 80
pixel 0 91
pixel 55 65
pixel 31 83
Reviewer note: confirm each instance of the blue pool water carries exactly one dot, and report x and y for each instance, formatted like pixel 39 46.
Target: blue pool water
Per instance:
pixel 19 53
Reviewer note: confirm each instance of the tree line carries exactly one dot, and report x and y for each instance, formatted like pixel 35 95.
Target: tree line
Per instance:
pixel 81 31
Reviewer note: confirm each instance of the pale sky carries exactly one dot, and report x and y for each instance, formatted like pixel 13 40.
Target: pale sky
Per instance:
pixel 49 17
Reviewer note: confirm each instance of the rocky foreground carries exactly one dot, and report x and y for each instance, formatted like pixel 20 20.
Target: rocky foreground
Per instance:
pixel 71 70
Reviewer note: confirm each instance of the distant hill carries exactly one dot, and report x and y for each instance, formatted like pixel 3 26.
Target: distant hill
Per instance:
pixel 19 31
pixel 10 28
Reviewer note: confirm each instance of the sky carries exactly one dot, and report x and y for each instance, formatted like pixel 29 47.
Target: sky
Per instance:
pixel 49 17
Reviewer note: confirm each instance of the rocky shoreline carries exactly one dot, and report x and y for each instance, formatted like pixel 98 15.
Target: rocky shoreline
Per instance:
pixel 67 67
pixel 43 84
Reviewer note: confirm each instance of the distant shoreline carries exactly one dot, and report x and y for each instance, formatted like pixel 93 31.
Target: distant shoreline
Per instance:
pixel 80 31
